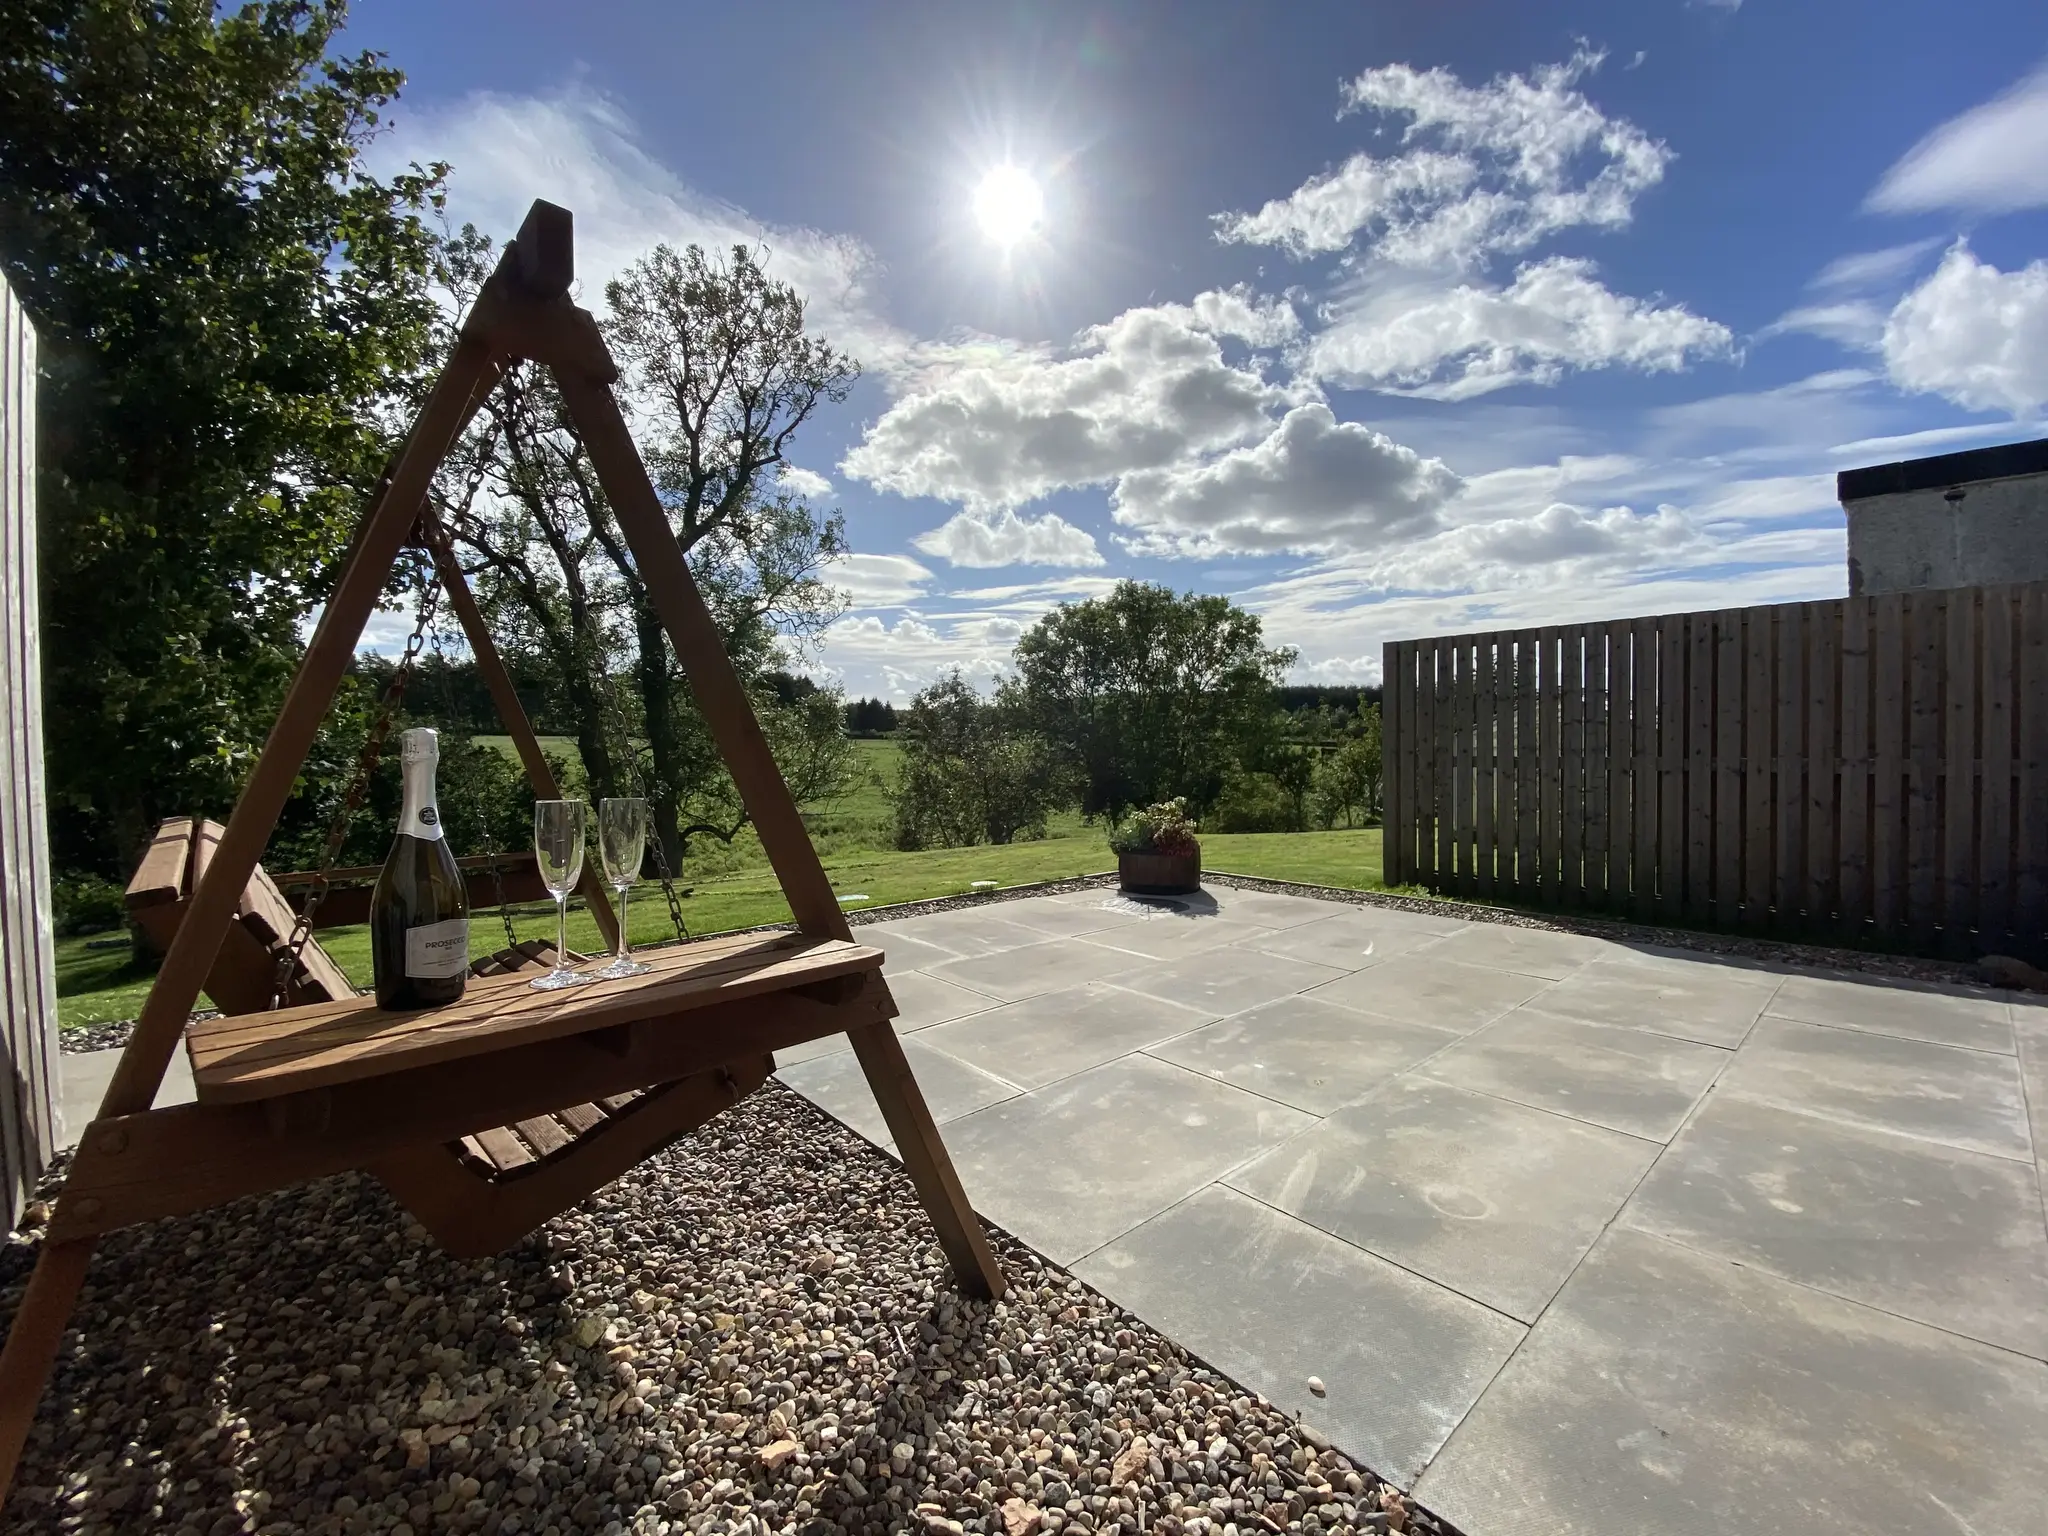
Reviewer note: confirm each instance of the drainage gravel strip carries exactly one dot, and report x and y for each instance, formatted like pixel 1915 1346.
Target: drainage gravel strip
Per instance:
pixel 753 1332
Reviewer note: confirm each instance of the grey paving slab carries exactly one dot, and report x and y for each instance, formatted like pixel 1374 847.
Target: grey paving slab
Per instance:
pixel 1227 980
pixel 923 1000
pixel 1045 966
pixel 1270 909
pixel 1969 1099
pixel 901 951
pixel 1929 1232
pixel 1695 1000
pixel 1451 920
pixel 1315 1056
pixel 962 932
pixel 1057 1034
pixel 952 1088
pixel 82 1079
pixel 1496 1200
pixel 1273 1302
pixel 1044 915
pixel 1347 942
pixel 811 1050
pixel 1945 1016
pixel 1169 937
pixel 2030 1021
pixel 1069 1167
pixel 1527 951
pixel 1625 1079
pixel 1427 990
pixel 1670 1392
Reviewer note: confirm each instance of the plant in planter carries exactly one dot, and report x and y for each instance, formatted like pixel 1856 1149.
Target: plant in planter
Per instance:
pixel 1156 851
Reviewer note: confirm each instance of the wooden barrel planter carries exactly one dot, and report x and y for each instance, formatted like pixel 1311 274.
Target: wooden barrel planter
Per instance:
pixel 1160 874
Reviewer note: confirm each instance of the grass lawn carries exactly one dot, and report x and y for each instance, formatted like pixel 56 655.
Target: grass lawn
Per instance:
pixel 733 887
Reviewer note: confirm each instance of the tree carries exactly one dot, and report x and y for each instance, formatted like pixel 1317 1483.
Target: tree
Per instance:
pixel 225 298
pixel 1149 696
pixel 718 376
pixel 870 717
pixel 1350 779
pixel 972 772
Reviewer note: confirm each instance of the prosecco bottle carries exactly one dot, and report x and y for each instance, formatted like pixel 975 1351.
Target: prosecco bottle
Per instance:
pixel 419 911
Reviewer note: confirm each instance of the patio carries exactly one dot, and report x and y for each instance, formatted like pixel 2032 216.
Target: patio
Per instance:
pixel 1575 1235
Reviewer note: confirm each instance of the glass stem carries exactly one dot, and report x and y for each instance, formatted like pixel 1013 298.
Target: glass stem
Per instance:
pixel 562 932
pixel 625 938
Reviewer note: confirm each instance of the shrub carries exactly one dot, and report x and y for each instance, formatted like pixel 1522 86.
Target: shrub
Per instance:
pixel 87 904
pixel 1252 802
pixel 971 772
pixel 1163 828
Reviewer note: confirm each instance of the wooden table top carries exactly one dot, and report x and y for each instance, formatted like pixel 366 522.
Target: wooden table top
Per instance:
pixel 252 1056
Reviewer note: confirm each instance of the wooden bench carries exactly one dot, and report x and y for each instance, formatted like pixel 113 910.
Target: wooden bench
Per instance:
pixel 484 1189
pixel 485 1117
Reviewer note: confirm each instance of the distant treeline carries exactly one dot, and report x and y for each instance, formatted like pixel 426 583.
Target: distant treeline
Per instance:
pixel 452 692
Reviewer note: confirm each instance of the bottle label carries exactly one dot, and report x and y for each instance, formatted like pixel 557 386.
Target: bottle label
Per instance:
pixel 437 951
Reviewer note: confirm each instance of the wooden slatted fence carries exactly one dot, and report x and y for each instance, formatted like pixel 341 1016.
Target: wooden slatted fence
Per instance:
pixel 28 985
pixel 1871 769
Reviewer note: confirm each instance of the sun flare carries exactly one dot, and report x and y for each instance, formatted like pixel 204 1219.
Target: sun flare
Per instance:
pixel 1008 205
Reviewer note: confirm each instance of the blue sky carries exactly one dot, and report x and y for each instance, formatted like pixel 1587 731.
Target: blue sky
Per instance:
pixel 1384 319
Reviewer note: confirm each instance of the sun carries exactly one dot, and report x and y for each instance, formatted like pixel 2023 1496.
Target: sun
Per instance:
pixel 1008 205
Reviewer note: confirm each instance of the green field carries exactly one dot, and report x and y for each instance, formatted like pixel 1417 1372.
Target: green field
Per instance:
pixel 734 887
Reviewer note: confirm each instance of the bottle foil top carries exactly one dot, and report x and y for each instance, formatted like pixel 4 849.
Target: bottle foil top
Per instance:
pixel 421 744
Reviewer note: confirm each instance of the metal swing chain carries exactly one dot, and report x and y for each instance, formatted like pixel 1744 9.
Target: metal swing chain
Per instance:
pixel 366 764
pixel 616 719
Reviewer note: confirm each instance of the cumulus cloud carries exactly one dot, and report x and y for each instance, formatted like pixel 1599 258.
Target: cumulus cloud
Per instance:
pixel 1555 317
pixel 878 581
pixel 807 483
pixel 1484 170
pixel 1974 334
pixel 1002 428
pixel 1991 159
pixel 1854 294
pixel 1315 484
pixel 984 539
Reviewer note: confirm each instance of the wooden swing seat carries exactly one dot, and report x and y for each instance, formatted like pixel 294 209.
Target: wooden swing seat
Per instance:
pixel 482 1191
pixel 487 1116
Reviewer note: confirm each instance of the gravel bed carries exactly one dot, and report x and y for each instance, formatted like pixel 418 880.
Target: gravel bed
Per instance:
pixel 754 1332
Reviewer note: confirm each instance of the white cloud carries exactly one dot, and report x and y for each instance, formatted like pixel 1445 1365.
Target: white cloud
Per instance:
pixel 1856 293
pixel 574 146
pixel 1852 322
pixel 1455 343
pixel 1874 269
pixel 1315 484
pixel 984 539
pixel 1000 428
pixel 878 581
pixel 1974 334
pixel 807 483
pixel 1991 159
pixel 1483 170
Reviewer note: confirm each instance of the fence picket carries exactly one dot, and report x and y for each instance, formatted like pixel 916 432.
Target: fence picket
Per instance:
pixel 1957 781
pixel 1823 764
pixel 1856 767
pixel 1925 611
pixel 1699 767
pixel 1995 784
pixel 2030 878
pixel 1526 763
pixel 1485 748
pixel 1788 763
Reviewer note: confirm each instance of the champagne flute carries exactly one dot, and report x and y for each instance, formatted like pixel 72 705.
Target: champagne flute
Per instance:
pixel 558 831
pixel 621 844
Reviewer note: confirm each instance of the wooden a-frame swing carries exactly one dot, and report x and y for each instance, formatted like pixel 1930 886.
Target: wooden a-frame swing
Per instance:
pixel 301 1093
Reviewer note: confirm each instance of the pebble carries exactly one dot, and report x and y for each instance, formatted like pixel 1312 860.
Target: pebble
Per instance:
pixel 1315 1385
pixel 309 1362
